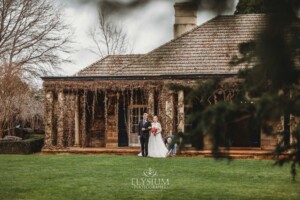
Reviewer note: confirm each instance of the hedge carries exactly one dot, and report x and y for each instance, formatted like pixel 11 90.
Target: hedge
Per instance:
pixel 31 145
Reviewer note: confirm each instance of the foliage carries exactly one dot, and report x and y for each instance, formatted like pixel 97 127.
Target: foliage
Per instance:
pixel 109 177
pixel 123 7
pixel 252 6
pixel 269 89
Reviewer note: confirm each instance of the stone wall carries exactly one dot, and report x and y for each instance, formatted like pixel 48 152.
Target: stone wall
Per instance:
pixel 111 119
pixel 269 142
pixel 69 122
pixel 97 128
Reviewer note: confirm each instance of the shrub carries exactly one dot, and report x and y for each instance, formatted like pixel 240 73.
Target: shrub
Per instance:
pixel 31 145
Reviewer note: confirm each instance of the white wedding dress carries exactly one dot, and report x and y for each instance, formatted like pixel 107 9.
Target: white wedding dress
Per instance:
pixel 156 145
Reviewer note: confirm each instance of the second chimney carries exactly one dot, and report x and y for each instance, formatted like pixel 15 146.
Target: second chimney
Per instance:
pixel 185 18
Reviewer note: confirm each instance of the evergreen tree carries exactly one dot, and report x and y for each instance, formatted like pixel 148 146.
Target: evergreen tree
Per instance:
pixel 252 6
pixel 266 92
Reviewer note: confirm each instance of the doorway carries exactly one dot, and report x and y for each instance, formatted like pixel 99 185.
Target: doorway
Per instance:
pixel 135 113
pixel 122 123
pixel 244 133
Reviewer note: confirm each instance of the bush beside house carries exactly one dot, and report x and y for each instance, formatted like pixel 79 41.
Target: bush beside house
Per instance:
pixel 31 145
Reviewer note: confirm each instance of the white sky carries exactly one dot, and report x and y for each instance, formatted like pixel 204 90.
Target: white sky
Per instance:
pixel 147 27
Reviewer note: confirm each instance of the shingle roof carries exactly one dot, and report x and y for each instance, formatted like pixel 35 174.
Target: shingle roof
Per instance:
pixel 108 65
pixel 207 49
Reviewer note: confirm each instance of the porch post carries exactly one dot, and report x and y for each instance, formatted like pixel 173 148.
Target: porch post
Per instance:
pixel 181 120
pixel 269 142
pixel 105 116
pixel 207 142
pixel 151 103
pixel 111 107
pixel 169 113
pixel 49 119
pixel 294 121
pixel 76 120
pixel 70 103
pixel 83 119
pixel 60 119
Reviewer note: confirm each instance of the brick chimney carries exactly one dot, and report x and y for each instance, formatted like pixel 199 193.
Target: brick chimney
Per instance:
pixel 185 18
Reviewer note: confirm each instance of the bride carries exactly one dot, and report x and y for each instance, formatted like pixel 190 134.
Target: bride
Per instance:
pixel 156 145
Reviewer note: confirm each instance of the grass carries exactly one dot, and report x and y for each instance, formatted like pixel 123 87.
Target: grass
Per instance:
pixel 110 177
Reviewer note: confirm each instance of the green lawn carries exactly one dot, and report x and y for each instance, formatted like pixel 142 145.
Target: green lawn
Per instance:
pixel 111 177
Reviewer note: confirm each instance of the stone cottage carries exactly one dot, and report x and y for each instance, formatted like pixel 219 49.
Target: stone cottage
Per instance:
pixel 101 105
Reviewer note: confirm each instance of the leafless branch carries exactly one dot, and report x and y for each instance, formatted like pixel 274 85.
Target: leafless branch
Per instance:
pixel 108 37
pixel 32 36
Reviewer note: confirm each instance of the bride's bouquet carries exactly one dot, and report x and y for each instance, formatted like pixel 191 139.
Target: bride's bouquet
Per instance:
pixel 154 131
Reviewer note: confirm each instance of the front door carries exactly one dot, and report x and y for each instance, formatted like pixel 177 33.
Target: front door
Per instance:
pixel 135 115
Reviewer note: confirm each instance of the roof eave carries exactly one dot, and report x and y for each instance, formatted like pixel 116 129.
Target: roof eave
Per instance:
pixel 154 77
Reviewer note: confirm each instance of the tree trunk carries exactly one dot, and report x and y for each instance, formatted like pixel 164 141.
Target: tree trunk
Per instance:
pixel 1 132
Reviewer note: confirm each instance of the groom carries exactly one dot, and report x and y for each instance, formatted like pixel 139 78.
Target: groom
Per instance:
pixel 144 128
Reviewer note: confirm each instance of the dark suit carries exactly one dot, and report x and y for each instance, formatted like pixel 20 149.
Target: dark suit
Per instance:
pixel 144 136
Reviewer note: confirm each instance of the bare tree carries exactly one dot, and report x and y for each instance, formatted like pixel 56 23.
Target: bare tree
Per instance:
pixel 30 111
pixel 33 42
pixel 108 37
pixel 19 103
pixel 12 93
pixel 32 36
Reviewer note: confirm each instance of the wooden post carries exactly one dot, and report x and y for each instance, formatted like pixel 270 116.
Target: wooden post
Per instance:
pixel 49 120
pixel 181 120
pixel 77 143
pixel 151 103
pixel 60 119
